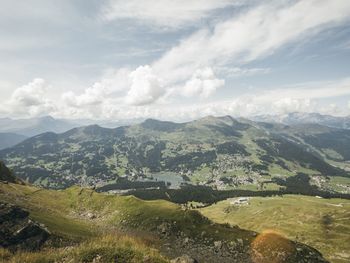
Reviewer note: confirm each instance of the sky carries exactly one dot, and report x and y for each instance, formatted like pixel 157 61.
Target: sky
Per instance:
pixel 173 60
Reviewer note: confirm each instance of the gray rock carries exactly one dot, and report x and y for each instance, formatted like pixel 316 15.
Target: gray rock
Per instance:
pixel 184 259
pixel 217 245
pixel 164 228
pixel 17 231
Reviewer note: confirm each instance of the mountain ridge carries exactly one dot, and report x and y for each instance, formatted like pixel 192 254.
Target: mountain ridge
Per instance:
pixel 303 118
pixel 217 151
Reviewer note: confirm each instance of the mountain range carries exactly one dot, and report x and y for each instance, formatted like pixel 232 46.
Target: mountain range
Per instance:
pixel 10 139
pixel 13 131
pixel 220 152
pixel 34 126
pixel 304 118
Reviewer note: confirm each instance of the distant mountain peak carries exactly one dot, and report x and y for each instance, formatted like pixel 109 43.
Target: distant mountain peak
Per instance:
pixel 295 118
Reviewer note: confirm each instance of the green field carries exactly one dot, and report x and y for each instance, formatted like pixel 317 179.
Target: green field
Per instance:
pixel 321 223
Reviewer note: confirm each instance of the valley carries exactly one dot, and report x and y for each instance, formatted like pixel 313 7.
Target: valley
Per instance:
pixel 220 152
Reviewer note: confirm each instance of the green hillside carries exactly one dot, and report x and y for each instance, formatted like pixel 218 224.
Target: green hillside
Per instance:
pixel 220 152
pixel 95 225
pixel 320 223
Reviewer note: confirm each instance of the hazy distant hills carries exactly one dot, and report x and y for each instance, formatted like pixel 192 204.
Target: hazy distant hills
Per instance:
pixel 220 152
pixel 10 139
pixel 34 126
pixel 303 118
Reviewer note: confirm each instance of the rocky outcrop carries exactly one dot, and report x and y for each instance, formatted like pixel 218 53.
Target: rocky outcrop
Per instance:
pixel 18 231
pixel 260 248
pixel 7 176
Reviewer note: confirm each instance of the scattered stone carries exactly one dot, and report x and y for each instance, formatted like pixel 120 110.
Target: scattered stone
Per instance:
pixel 217 245
pixel 90 215
pixel 164 228
pixel 186 241
pixel 184 259
pixel 240 241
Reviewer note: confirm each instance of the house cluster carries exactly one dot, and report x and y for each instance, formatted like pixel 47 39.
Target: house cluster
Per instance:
pixel 240 201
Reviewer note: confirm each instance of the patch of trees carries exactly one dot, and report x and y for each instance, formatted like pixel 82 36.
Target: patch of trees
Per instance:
pixel 32 173
pixel 299 183
pixel 190 160
pixel 225 130
pixel 338 141
pixel 280 147
pixel 202 194
pixel 231 148
pixel 164 126
pixel 208 195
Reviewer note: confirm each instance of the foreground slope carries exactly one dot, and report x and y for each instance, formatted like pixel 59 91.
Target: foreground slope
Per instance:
pixel 78 215
pixel 321 223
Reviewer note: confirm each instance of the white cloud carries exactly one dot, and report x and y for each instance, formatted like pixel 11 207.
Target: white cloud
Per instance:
pixel 203 83
pixel 30 94
pixel 188 68
pixel 234 72
pixel 113 82
pixel 250 36
pixel 145 87
pixel 164 13
pixel 138 87
pixel 311 90
pixel 302 97
pixel 287 105
pixel 29 100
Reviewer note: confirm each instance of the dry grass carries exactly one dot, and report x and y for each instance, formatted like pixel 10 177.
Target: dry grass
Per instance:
pixel 107 248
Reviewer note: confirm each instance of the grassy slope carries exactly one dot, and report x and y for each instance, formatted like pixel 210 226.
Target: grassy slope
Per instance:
pixel 65 215
pixel 320 223
pixel 108 248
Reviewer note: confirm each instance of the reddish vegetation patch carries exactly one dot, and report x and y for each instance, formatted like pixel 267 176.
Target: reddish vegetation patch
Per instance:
pixel 271 247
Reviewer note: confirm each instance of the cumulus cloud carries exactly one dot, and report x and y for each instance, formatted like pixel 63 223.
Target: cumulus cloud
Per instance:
pixel 30 99
pixel 164 13
pixel 303 97
pixel 287 105
pixel 113 82
pixel 203 83
pixel 145 87
pixel 118 89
